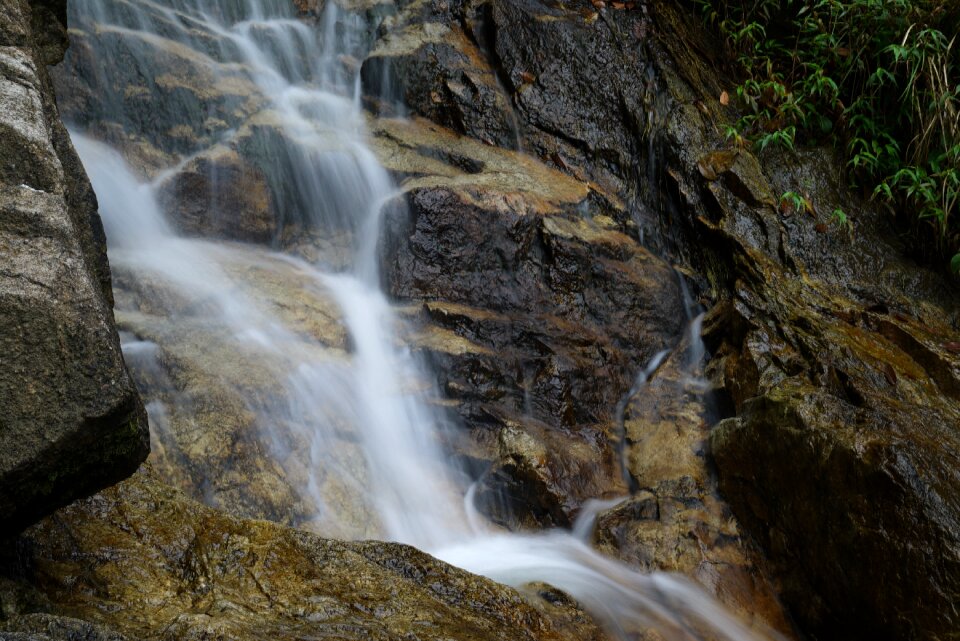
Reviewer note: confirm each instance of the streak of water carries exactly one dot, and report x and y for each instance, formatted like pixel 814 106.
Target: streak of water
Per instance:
pixel 337 184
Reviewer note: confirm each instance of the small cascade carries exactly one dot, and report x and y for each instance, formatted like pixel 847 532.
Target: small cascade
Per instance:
pixel 375 389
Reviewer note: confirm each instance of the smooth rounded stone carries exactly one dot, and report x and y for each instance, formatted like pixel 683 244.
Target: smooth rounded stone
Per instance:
pixel 72 422
pixel 146 562
pixel 220 195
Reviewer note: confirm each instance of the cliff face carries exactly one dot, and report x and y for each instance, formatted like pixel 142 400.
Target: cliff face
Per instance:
pixel 541 281
pixel 832 354
pixel 72 422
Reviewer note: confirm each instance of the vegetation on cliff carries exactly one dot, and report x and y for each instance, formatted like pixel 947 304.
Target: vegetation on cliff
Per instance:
pixel 879 78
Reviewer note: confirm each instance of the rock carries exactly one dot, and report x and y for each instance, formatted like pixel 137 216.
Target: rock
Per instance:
pixel 675 519
pixel 222 431
pixel 546 295
pixel 833 357
pixel 212 98
pixel 431 66
pixel 142 561
pixel 861 417
pixel 45 627
pixel 839 456
pixel 220 195
pixel 73 422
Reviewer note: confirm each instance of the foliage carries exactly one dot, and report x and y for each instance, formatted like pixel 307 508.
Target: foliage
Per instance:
pixel 880 78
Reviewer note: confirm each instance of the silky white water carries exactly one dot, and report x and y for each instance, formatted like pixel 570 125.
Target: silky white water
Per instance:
pixel 333 183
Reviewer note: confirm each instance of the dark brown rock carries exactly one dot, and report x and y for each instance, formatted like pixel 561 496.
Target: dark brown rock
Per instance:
pixel 221 195
pixel 834 357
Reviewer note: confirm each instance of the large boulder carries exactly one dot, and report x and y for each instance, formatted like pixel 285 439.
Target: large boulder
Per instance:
pixel 141 561
pixel 72 421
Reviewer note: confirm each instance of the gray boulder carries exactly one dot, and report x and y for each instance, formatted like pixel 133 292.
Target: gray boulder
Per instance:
pixel 72 422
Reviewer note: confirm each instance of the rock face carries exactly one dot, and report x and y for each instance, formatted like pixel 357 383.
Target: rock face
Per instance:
pixel 140 561
pixel 537 284
pixel 556 306
pixel 72 421
pixel 526 289
pixel 831 350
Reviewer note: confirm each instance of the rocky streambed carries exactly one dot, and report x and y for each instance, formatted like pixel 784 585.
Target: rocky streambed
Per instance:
pixel 567 206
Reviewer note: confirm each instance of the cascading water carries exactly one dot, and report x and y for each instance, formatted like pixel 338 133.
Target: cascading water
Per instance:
pixel 335 185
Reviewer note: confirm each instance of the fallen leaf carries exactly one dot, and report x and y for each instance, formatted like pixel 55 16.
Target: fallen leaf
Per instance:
pixel 889 374
pixel 618 5
pixel 527 77
pixel 724 98
pixel 821 228
pixel 435 97
pixel 599 4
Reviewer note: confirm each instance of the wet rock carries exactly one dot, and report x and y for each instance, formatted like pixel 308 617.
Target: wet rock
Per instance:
pixel 859 415
pixel 222 429
pixel 73 422
pixel 146 562
pixel 545 295
pixel 429 64
pixel 220 195
pixel 207 98
pixel 675 519
pixel 839 458
pixel 826 317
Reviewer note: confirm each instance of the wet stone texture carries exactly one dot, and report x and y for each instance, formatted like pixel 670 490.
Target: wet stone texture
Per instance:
pixel 529 293
pixel 830 349
pixel 141 561
pixel 538 307
pixel 72 422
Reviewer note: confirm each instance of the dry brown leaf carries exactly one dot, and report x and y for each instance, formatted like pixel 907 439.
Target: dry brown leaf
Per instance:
pixel 724 98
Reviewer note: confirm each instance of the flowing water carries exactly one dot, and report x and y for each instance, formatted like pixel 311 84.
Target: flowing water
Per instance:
pixel 331 183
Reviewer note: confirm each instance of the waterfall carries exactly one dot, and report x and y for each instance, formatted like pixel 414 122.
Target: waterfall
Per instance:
pixel 330 182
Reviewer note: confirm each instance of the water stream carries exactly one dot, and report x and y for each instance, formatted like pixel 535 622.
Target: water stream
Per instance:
pixel 379 390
